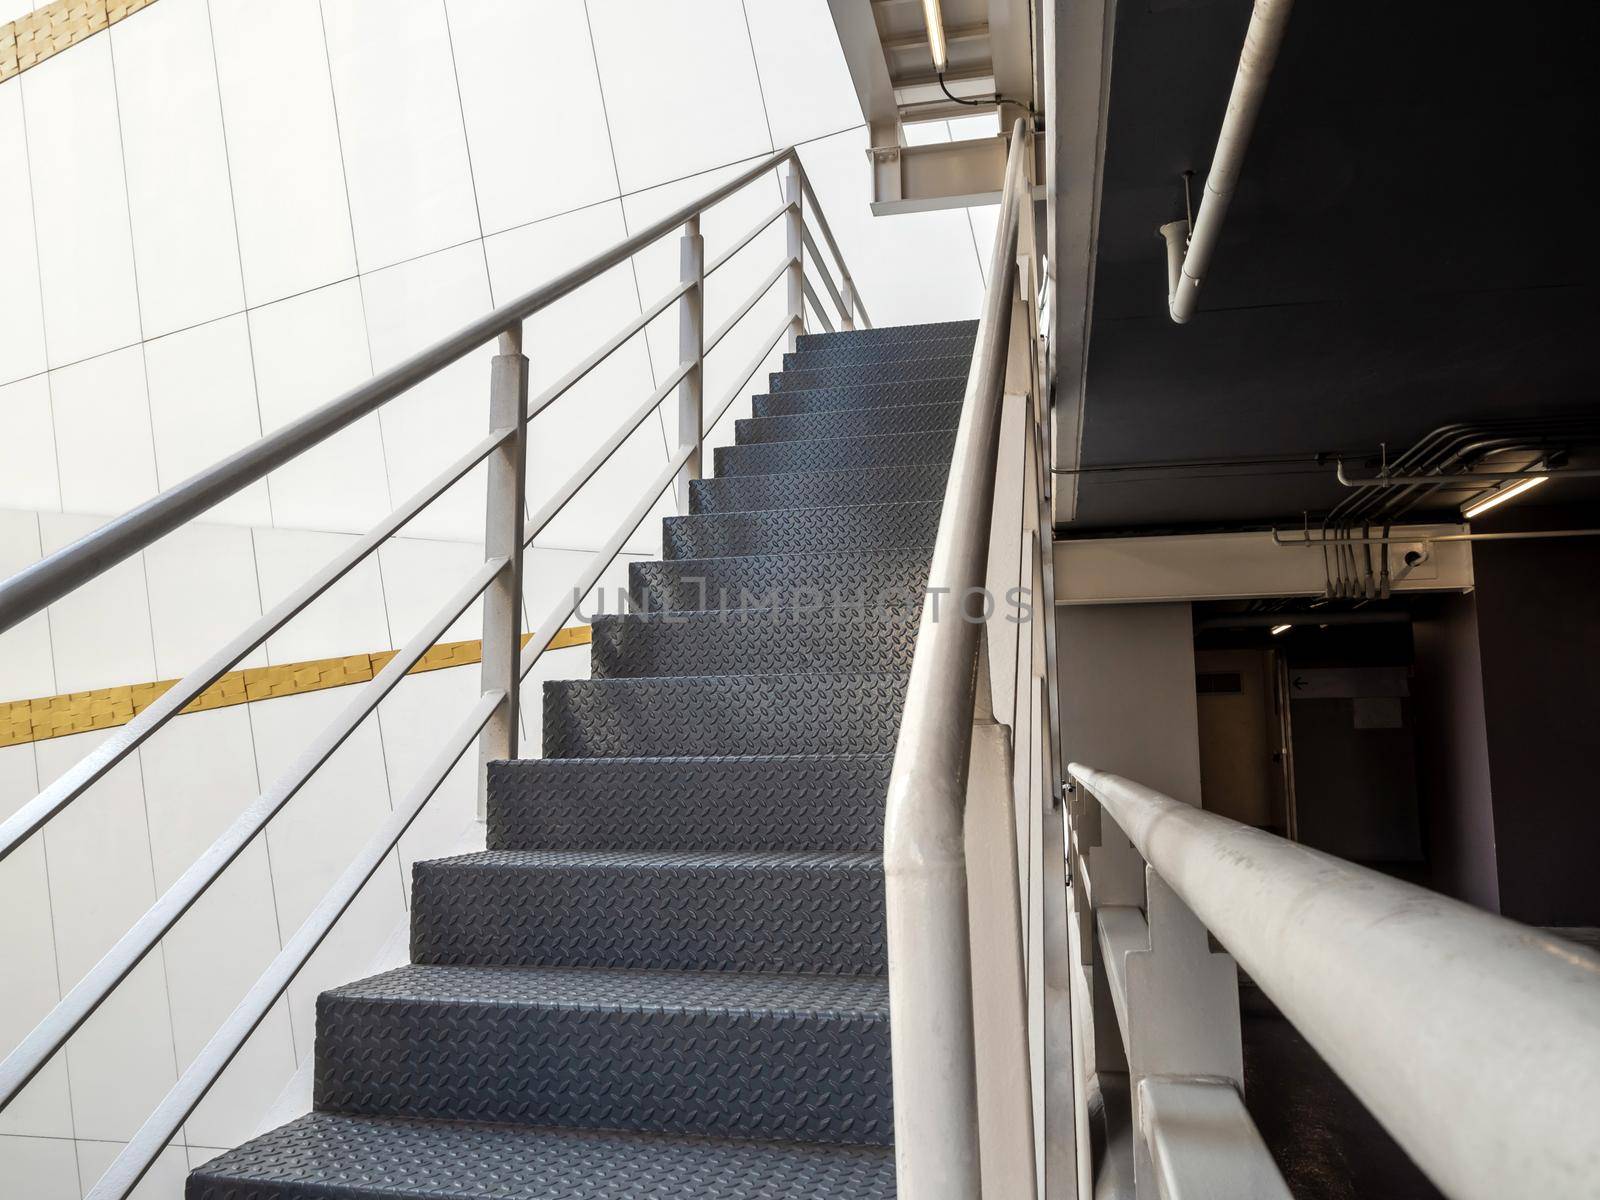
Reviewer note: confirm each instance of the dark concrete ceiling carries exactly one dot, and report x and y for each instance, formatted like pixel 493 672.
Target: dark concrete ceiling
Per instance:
pixel 1415 242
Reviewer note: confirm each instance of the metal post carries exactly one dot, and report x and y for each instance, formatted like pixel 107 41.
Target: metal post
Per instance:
pixel 793 225
pixel 502 537
pixel 691 348
pixel 848 320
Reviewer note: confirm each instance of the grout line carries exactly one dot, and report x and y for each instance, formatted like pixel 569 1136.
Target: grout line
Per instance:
pixel 44 331
pixel 466 143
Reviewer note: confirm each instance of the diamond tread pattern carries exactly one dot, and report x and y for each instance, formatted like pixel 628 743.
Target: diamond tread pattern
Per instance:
pixel 870 395
pixel 721 714
pixel 747 802
pixel 854 422
pixel 837 454
pixel 771 641
pixel 874 577
pixel 819 489
pixel 662 910
pixel 803 531
pixel 804 1057
pixel 872 372
pixel 888 334
pixel 323 1155
pixel 848 354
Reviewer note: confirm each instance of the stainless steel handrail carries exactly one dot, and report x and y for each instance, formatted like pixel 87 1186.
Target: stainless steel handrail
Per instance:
pixel 930 971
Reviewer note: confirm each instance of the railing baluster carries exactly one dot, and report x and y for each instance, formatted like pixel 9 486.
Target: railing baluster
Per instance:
pixel 848 317
pixel 691 349
pixel 502 538
pixel 794 225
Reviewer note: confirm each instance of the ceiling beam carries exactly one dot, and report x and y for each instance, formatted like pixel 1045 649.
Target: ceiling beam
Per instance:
pixel 869 70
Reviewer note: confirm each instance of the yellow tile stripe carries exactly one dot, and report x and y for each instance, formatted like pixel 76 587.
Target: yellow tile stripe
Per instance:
pixel 29 40
pixel 23 721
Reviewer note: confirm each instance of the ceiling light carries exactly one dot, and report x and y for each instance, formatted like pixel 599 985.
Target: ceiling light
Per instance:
pixel 1277 629
pixel 1500 495
pixel 936 46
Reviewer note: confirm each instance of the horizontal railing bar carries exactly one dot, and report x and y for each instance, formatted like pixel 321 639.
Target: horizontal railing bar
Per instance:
pixel 1375 972
pixel 130 949
pixel 1122 929
pixel 761 225
pixel 1203 1144
pixel 816 303
pixel 130 1166
pixel 827 236
pixel 761 290
pixel 551 508
pixel 821 267
pixel 38 585
pixel 28 819
pixel 601 559
pixel 755 365
pixel 561 386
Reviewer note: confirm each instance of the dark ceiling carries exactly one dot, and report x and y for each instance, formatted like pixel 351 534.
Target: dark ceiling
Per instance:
pixel 1413 244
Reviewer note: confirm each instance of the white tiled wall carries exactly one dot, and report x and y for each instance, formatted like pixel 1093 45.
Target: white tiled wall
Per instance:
pixel 220 215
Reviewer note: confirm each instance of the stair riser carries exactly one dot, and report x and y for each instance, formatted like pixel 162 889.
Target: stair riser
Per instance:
pixel 847 354
pixel 865 422
pixel 821 377
pixel 776 804
pixel 888 334
pixel 875 579
pixel 817 918
pixel 760 714
pixel 836 454
pixel 768 641
pixel 872 395
pixel 821 489
pixel 863 527
pixel 748 1074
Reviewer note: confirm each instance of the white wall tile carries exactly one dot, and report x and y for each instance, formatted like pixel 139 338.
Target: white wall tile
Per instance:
pixel 664 67
pixel 28 478
pixel 804 79
pixel 201 580
pixel 203 408
pixel 164 1182
pixel 100 633
pixel 308 350
pixel 178 189
pixel 283 146
pixel 405 153
pixel 80 204
pixel 530 158
pixel 408 307
pixel 26 667
pixel 103 442
pixel 348 618
pixel 21 308
pixel 40 1168
pixel 420 576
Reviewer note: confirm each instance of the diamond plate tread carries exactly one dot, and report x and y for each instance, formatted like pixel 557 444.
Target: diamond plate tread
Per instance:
pixel 846 354
pixel 760 641
pixel 873 372
pixel 802 530
pixel 328 1156
pixel 879 577
pixel 836 454
pixel 722 714
pixel 721 803
pixel 854 422
pixel 867 395
pixel 818 489
pixel 801 1057
pixel 888 333
pixel 801 913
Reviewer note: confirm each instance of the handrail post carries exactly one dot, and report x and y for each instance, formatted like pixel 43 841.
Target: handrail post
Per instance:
pixel 793 223
pixel 848 317
pixel 691 349
pixel 502 538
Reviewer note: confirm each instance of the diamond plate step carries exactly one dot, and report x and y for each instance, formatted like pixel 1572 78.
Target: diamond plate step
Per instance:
pixel 836 454
pixel 806 913
pixel 888 333
pixel 326 1156
pixel 750 802
pixel 722 714
pixel 846 354
pixel 868 395
pixel 793 637
pixel 873 372
pixel 818 489
pixel 850 423
pixel 730 1055
pixel 802 530
pixel 870 577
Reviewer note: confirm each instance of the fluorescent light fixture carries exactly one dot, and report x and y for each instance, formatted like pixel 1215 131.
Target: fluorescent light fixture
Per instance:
pixel 1500 495
pixel 936 46
pixel 1277 629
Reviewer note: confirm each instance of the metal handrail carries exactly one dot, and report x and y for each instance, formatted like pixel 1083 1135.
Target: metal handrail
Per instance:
pixel 1475 1041
pixel 506 660
pixel 930 969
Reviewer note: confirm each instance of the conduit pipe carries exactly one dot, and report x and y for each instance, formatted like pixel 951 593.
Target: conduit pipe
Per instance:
pixel 1268 21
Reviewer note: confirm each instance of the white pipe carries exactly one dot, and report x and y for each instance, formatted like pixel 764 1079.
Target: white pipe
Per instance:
pixel 1261 41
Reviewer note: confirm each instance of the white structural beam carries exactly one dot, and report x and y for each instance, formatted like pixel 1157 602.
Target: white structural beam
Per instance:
pixel 1236 566
pixel 943 175
pixel 869 69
